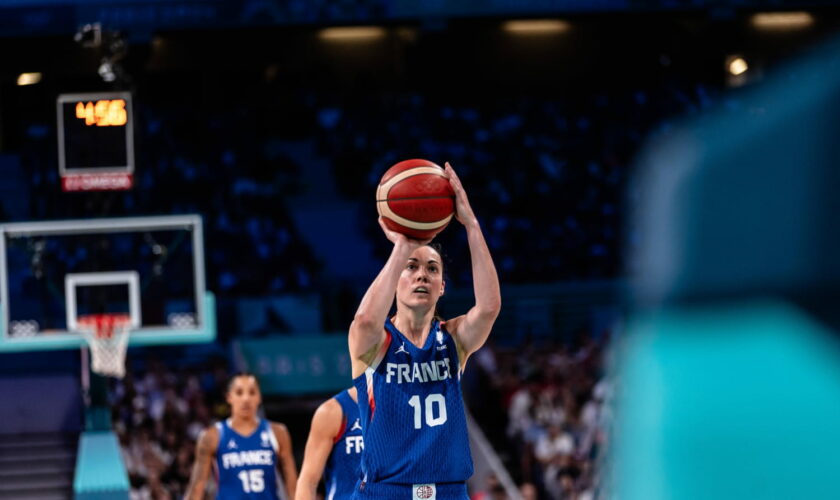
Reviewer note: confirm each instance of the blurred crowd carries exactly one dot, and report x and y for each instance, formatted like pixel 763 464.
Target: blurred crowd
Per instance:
pixel 547 411
pixel 548 177
pixel 545 408
pixel 314 11
pixel 157 416
pixel 225 171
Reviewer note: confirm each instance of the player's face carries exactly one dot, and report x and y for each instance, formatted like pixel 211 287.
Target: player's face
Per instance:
pixel 421 282
pixel 244 397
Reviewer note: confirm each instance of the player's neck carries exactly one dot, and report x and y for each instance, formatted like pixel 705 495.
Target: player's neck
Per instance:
pixel 244 425
pixel 414 325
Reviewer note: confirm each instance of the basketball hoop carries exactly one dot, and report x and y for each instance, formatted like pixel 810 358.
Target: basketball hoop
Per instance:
pixel 107 337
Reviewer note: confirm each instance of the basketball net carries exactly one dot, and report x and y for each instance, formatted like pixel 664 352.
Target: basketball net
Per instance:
pixel 107 337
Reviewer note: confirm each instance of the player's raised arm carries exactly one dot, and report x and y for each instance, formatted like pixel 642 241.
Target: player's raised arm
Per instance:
pixel 472 329
pixel 286 459
pixel 366 331
pixel 205 451
pixel 326 424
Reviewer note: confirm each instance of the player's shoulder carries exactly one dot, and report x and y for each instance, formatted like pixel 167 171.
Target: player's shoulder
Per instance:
pixel 209 437
pixel 281 434
pixel 452 326
pixel 328 418
pixel 212 430
pixel 329 410
pixel 278 427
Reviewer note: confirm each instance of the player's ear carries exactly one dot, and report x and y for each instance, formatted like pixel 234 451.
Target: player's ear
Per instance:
pixel 442 288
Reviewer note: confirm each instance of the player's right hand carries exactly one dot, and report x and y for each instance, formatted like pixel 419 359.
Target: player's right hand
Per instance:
pixel 401 239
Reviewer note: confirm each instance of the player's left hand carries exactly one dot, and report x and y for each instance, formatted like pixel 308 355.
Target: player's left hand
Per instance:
pixel 463 210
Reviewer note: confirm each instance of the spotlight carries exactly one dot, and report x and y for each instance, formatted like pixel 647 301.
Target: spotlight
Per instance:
pixel 737 65
pixel 536 27
pixel 28 78
pixel 782 21
pixel 351 33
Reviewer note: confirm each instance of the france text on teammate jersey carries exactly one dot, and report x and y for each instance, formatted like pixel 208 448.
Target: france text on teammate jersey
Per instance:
pixel 412 412
pixel 342 469
pixel 247 465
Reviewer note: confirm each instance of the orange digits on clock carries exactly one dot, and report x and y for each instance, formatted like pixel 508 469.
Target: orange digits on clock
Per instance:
pixel 101 110
pixel 105 113
pixel 89 118
pixel 116 112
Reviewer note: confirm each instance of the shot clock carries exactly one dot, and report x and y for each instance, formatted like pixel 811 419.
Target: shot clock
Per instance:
pixel 95 141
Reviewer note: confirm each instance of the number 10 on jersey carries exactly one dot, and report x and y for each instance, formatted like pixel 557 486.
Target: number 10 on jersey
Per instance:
pixel 435 404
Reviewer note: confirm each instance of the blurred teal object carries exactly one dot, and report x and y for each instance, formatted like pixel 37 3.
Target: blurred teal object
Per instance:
pixel 100 471
pixel 738 401
pixel 729 374
pixel 745 200
pixel 297 365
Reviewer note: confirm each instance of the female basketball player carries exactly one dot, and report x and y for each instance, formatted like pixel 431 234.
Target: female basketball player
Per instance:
pixel 333 449
pixel 408 372
pixel 246 450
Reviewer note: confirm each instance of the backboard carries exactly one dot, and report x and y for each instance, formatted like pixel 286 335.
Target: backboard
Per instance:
pixel 150 268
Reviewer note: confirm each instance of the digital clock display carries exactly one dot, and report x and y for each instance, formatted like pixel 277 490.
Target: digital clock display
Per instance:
pixel 105 113
pixel 95 133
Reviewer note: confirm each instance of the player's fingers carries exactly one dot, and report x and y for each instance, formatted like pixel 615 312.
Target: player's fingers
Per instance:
pixel 382 225
pixel 450 171
pixel 453 177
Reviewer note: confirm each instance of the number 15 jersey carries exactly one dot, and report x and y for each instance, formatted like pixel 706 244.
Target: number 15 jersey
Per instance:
pixel 247 465
pixel 412 412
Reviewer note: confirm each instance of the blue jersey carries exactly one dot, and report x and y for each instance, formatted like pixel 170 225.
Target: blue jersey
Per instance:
pixel 342 469
pixel 412 412
pixel 247 465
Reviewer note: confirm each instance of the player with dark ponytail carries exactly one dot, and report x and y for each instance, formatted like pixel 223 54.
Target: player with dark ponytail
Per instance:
pixel 407 367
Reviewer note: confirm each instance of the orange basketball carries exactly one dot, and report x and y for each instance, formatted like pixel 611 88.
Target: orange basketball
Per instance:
pixel 414 198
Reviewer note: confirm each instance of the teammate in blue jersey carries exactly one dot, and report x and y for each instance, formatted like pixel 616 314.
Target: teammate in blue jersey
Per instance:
pixel 246 450
pixel 333 449
pixel 408 372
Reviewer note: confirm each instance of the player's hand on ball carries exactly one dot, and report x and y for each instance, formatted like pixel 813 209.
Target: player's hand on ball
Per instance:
pixel 399 238
pixel 463 210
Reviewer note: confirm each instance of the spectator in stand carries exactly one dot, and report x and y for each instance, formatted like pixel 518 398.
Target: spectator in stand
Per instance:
pixel 157 417
pixel 528 491
pixel 559 431
pixel 491 483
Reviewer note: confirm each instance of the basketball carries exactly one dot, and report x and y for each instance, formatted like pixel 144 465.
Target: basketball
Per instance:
pixel 414 198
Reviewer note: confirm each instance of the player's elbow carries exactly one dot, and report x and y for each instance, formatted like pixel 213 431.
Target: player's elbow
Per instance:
pixel 363 322
pixel 491 308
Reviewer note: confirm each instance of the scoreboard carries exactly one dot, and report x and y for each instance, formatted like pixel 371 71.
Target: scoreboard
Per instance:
pixel 95 141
